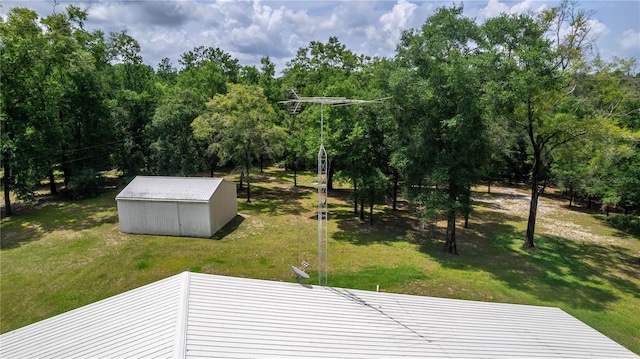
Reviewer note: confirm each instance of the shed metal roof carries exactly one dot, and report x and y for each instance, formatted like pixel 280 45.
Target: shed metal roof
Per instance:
pixel 160 188
pixel 200 315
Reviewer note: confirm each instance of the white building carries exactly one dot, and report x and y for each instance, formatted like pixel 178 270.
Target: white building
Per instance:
pixel 208 316
pixel 176 206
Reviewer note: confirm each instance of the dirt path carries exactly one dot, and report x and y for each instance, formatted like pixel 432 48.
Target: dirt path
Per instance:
pixel 553 217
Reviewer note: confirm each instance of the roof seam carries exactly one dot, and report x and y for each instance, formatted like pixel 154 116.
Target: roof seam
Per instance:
pixel 354 298
pixel 180 341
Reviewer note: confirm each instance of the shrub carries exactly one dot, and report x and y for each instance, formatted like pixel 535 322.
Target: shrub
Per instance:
pixel 84 184
pixel 626 223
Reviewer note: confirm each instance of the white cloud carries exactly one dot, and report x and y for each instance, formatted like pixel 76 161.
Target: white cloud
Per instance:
pixel 395 21
pixel 277 28
pixel 528 6
pixel 630 40
pixel 598 28
pixel 398 17
pixel 494 8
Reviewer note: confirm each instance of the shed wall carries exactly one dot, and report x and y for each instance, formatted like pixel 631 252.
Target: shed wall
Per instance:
pixel 146 217
pixel 223 206
pixel 194 219
pixel 164 218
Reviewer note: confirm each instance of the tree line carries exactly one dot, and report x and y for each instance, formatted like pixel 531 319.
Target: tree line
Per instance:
pixel 518 98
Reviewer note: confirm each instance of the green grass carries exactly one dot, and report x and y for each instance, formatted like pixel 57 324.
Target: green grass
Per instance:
pixel 57 256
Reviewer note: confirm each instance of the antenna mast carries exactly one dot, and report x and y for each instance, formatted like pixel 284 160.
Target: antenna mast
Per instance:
pixel 323 211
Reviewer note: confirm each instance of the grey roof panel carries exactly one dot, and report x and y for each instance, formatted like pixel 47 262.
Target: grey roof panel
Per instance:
pixel 206 316
pixel 160 188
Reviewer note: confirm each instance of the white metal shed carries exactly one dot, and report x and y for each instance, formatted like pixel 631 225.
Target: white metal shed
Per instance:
pixel 176 206
pixel 192 315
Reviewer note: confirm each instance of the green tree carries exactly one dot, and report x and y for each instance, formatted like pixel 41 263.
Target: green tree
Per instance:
pixel 249 75
pixel 166 72
pixel 444 117
pixel 206 71
pixel 239 127
pixel 21 61
pixel 132 99
pixel 532 87
pixel 53 113
pixel 174 149
pixel 322 69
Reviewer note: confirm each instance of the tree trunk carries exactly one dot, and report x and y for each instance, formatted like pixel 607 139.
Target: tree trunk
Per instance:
pixel 66 171
pixel 533 211
pixel 261 163
pixel 241 179
pixel 295 176
pixel 395 190
pixel 355 199
pixel 450 242
pixel 362 210
pixel 7 187
pixel 535 172
pixel 371 213
pixel 571 199
pixel 248 186
pixel 329 175
pixel 467 205
pixel 52 184
pixel 211 168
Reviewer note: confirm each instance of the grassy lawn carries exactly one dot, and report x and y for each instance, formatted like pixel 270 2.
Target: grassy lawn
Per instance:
pixel 57 256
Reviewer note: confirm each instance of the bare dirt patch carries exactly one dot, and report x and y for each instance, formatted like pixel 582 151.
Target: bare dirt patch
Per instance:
pixel 551 219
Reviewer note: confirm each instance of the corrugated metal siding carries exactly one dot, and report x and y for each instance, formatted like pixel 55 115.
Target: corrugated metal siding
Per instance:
pixel 223 206
pixel 176 206
pixel 194 219
pixel 138 323
pixel 162 188
pixel 149 217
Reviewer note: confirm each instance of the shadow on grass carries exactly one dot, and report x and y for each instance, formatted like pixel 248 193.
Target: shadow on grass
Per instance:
pixel 579 274
pixel 228 228
pixel 275 200
pixel 272 174
pixel 389 226
pixel 625 225
pixel 36 220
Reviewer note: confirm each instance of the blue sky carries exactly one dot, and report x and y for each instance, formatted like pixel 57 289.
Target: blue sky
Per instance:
pixel 249 30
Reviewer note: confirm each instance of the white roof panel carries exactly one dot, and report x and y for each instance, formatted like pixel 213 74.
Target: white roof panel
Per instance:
pixel 160 188
pixel 207 316
pixel 136 323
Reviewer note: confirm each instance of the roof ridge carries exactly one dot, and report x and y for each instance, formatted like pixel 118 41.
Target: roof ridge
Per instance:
pixel 182 317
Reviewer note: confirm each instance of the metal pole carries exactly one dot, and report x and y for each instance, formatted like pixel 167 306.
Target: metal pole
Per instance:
pixel 323 232
pixel 323 211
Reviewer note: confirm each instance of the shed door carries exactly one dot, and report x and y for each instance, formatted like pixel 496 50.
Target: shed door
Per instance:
pixel 194 219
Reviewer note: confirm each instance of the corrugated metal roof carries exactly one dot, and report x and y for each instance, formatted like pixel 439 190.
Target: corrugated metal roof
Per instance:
pixel 138 323
pixel 199 315
pixel 160 188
